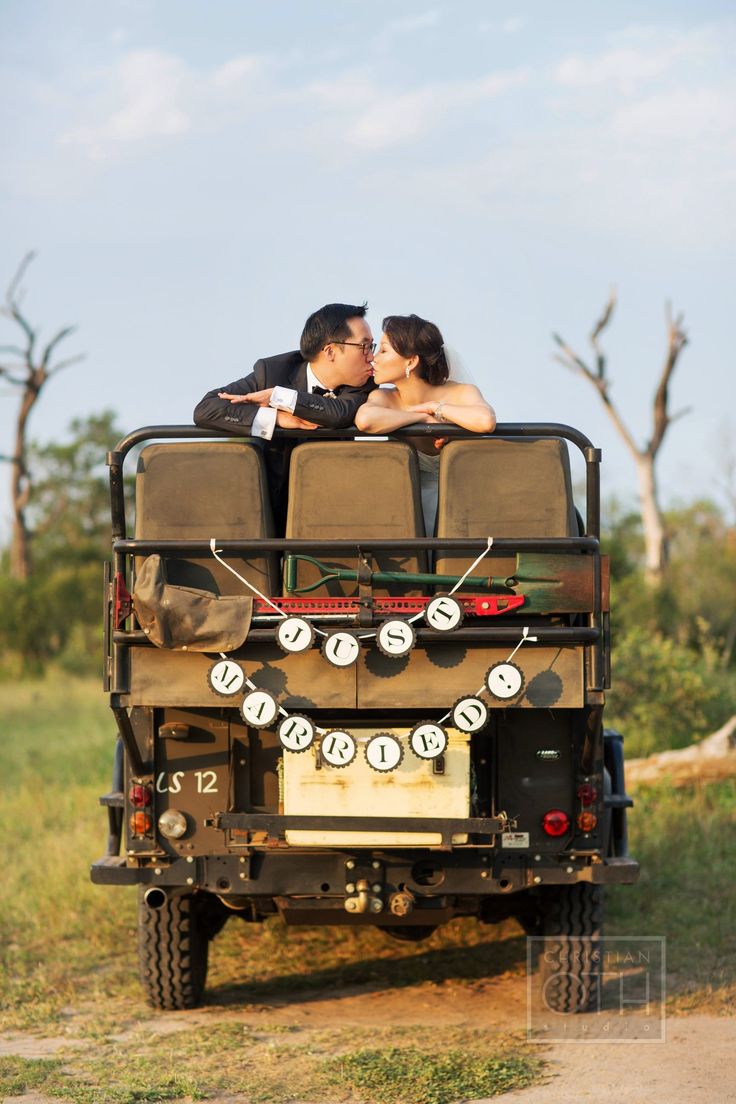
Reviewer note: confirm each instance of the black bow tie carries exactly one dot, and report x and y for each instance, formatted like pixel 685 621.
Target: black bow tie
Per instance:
pixel 324 391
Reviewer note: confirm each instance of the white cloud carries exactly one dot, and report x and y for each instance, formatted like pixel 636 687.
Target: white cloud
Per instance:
pixel 148 95
pixel 392 119
pixel 235 73
pixel 149 92
pixel 643 56
pixel 408 23
pixel 512 25
pixel 684 114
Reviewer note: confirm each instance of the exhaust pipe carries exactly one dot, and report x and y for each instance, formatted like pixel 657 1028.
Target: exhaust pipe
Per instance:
pixel 155 897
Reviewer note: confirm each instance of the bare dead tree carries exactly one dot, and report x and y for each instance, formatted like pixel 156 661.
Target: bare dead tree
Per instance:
pixel 655 540
pixel 28 370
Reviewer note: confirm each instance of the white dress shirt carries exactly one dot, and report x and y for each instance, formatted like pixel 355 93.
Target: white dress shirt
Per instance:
pixel 282 398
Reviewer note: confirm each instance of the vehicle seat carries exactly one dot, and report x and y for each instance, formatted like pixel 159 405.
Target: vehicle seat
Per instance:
pixel 197 490
pixel 503 487
pixel 355 490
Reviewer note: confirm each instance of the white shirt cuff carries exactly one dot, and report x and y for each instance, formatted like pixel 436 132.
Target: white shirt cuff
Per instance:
pixel 264 423
pixel 283 398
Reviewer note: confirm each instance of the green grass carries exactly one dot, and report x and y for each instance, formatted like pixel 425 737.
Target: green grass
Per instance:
pixel 413 1076
pixel 24 1075
pixel 272 1067
pixel 61 938
pixel 685 840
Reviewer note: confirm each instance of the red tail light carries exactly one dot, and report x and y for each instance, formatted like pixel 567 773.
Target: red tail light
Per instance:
pixel 555 822
pixel 140 796
pixel 587 793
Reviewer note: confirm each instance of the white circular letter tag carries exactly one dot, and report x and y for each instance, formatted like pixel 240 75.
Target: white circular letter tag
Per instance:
pixel 338 748
pixel 383 752
pixel 294 634
pixel 428 740
pixel 396 638
pixel 226 677
pixel 341 649
pixel 260 709
pixel 443 613
pixel 296 733
pixel 504 680
pixel 469 714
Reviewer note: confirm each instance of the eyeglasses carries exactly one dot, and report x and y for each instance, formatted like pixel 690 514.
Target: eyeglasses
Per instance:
pixel 365 347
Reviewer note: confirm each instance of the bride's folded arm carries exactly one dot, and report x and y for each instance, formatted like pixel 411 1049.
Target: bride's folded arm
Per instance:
pixel 374 417
pixel 469 409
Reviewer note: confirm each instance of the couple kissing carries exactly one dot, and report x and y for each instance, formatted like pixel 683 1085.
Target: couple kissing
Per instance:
pixel 337 378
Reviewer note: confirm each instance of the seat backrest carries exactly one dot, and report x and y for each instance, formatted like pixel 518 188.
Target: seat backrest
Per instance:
pixel 197 490
pixel 503 487
pixel 340 490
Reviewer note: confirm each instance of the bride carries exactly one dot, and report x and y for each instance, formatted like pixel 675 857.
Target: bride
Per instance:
pixel 411 357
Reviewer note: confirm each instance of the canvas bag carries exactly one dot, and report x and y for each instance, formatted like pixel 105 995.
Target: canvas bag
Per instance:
pixel 185 618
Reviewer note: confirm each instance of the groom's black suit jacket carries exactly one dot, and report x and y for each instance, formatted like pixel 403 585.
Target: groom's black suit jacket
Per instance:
pixel 285 370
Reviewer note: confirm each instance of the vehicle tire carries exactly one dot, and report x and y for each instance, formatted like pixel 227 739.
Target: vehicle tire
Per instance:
pixel 570 964
pixel 172 951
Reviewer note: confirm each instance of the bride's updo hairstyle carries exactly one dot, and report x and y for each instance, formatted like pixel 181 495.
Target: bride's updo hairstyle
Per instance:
pixel 411 336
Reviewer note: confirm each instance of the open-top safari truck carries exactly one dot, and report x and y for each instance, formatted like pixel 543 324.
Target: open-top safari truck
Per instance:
pixel 358 723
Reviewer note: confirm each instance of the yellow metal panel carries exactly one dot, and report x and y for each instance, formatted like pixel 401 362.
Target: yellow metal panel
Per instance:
pixel 412 790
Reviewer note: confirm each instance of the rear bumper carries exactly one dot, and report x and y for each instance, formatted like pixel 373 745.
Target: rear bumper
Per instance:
pixel 473 873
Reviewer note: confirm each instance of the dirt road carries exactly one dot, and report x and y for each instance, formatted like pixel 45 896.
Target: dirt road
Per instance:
pixel 693 1064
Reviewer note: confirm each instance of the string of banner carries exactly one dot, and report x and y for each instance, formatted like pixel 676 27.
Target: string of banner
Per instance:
pixel 395 638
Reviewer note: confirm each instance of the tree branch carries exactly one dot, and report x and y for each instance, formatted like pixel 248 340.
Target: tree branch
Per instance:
pixel 598 378
pixel 65 364
pixel 598 329
pixel 676 342
pixel 20 273
pixel 29 377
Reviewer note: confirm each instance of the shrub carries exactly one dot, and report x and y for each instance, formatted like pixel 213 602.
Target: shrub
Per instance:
pixel 666 694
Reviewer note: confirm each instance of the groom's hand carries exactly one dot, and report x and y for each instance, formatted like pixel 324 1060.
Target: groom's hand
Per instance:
pixel 285 420
pixel 261 398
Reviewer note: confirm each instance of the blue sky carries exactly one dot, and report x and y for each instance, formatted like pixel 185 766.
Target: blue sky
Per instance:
pixel 198 177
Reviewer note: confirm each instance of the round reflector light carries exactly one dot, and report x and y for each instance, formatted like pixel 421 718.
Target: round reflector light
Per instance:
pixel 172 824
pixel 140 824
pixel 555 822
pixel 587 822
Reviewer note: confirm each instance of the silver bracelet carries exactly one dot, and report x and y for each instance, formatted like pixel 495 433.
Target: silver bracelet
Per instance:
pixel 439 416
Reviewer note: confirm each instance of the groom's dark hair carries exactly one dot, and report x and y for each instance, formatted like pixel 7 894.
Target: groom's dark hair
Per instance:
pixel 329 323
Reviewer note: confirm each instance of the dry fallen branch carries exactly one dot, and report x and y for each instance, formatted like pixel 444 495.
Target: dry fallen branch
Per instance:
pixel 708 761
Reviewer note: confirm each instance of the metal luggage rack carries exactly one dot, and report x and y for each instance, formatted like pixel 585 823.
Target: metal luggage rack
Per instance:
pixel 592 634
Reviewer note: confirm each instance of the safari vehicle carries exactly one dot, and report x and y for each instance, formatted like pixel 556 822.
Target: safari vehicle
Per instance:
pixel 357 723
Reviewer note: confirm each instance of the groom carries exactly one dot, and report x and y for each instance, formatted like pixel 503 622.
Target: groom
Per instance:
pixel 322 384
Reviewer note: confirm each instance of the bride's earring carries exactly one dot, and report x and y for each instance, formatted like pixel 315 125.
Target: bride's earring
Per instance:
pixel 408 371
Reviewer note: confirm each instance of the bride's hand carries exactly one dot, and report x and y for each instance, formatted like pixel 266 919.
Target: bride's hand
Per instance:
pixel 427 409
